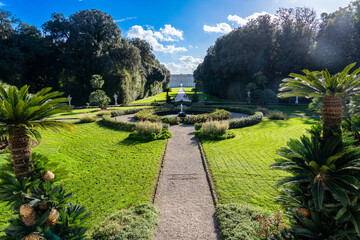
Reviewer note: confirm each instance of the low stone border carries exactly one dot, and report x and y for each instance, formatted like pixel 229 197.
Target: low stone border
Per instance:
pixel 160 172
pixel 208 176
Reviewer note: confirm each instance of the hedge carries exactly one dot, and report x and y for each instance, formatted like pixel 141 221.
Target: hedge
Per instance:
pixel 241 122
pixel 246 121
pixel 127 126
pixel 126 112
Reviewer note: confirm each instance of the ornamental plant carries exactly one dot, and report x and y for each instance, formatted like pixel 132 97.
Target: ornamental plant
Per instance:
pixel 332 89
pixel 41 208
pixel 98 97
pixel 321 196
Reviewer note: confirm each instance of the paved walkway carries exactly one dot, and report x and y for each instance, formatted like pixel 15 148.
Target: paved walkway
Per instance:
pixel 181 96
pixel 183 196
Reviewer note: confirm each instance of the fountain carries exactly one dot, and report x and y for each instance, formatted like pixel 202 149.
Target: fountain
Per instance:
pixel 181 114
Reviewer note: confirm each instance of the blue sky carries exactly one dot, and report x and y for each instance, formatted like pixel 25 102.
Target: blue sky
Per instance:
pixel 180 31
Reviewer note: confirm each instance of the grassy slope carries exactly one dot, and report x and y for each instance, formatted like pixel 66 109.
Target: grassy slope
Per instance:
pixel 76 113
pixel 240 166
pixel 106 171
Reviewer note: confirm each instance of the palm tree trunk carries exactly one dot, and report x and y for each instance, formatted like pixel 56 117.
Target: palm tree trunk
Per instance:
pixel 332 114
pixel 20 153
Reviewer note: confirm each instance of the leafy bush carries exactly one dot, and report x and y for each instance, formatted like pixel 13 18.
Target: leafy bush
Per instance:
pixel 146 115
pixel 99 98
pixel 165 134
pixel 127 126
pixel 149 131
pixel 246 121
pixel 102 113
pixel 237 222
pixel 135 223
pixel 262 109
pixel 276 115
pixel 171 120
pixel 217 115
pixel 198 126
pixel 87 118
pixel 321 196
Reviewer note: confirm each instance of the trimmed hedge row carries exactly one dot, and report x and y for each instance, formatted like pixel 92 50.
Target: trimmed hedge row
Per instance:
pixel 240 122
pixel 127 126
pixel 126 112
pixel 246 121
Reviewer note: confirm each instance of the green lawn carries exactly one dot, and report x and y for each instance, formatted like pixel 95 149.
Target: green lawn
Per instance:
pixel 240 166
pixel 158 98
pixel 107 172
pixel 76 113
pixel 162 96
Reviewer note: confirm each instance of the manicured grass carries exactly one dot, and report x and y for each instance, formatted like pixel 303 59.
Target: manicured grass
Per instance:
pixel 107 172
pixel 202 96
pixel 158 98
pixel 188 90
pixel 287 109
pixel 240 166
pixel 76 113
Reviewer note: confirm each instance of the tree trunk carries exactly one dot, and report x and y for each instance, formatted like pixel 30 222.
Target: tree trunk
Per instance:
pixel 20 153
pixel 333 115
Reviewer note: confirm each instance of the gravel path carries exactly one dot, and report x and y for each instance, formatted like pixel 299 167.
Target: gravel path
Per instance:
pixel 183 195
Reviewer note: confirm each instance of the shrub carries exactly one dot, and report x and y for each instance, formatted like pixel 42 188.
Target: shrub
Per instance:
pixel 127 126
pixel 237 222
pixel 276 115
pixel 214 127
pixel 214 130
pixel 246 121
pixel 262 109
pixel 198 126
pixel 148 128
pixel 171 120
pixel 87 118
pixel 135 223
pixel 125 112
pixel 321 194
pixel 217 115
pixel 102 113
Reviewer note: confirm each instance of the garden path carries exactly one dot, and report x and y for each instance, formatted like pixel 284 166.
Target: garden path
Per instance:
pixel 183 195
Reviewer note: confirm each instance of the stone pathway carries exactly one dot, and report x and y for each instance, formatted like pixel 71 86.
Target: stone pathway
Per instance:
pixel 181 96
pixel 183 195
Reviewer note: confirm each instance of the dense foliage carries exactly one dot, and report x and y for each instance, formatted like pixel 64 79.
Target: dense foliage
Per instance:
pixel 86 43
pixel 267 49
pixel 135 223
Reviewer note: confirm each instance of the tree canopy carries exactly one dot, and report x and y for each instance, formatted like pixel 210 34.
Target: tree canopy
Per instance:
pixel 291 41
pixel 69 50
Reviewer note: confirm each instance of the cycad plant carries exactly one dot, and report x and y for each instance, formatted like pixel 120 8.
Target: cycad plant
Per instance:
pixel 333 89
pixel 21 115
pixel 322 193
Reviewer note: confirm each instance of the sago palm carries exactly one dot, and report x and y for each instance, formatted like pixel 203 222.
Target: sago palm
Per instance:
pixel 334 89
pixel 21 115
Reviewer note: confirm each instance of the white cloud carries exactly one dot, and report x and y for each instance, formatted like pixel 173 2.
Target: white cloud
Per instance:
pixel 165 34
pixel 219 28
pixel 170 33
pixel 124 19
pixel 187 65
pixel 2 4
pixel 242 21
